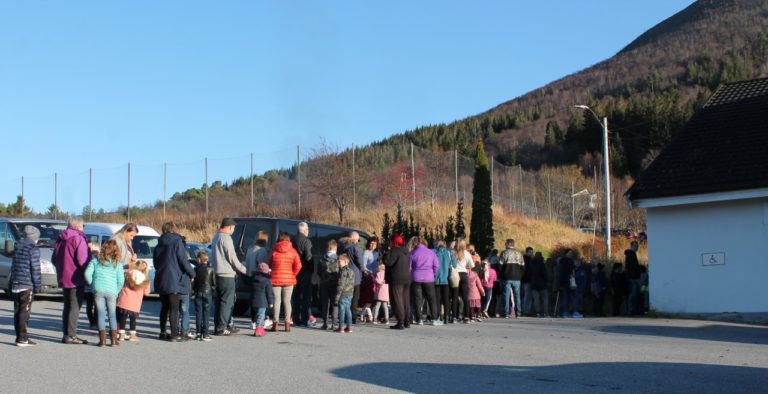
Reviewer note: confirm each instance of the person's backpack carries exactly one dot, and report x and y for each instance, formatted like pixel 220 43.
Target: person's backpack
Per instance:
pixel 329 268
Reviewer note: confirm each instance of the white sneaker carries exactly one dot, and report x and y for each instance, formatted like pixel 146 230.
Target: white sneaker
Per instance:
pixel 577 315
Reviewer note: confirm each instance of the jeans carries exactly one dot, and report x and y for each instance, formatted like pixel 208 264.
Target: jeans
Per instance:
pixel 184 309
pixel 633 302
pixel 73 300
pixel 327 310
pixel 169 305
pixel 302 298
pixel 355 302
pixel 202 302
pixel 22 306
pixel 345 311
pixel 376 309
pixel 105 305
pixel 487 299
pixel 527 299
pixel 420 291
pixel 282 298
pixel 509 286
pixel 260 313
pixel 225 301
pixel 577 298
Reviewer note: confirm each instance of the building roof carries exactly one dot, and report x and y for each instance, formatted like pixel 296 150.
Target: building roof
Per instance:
pixel 722 148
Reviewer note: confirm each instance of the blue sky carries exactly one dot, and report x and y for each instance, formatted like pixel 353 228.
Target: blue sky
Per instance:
pixel 98 84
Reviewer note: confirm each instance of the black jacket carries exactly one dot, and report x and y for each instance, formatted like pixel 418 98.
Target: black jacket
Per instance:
pixel 537 274
pixel 261 291
pixel 205 280
pixel 171 264
pixel 632 266
pixel 329 269
pixel 398 263
pixel 565 269
pixel 303 246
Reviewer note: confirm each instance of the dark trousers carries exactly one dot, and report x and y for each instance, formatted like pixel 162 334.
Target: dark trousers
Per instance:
pixel 90 309
pixel 464 292
pixel 73 301
pixel 355 302
pixel 169 305
pixel 597 305
pixel 400 295
pixel 454 303
pixel 443 300
pixel 302 298
pixel 420 291
pixel 618 300
pixel 22 306
pixel 124 316
pixel 225 301
pixel 202 301
pixel 329 313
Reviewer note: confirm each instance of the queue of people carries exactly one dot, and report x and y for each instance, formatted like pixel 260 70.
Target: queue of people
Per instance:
pixel 411 282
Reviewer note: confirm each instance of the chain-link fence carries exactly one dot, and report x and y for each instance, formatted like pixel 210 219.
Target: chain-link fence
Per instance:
pixel 329 179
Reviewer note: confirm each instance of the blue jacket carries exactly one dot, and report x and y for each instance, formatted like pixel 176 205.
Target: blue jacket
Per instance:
pixel 261 291
pixel 171 265
pixel 580 274
pixel 445 260
pixel 355 261
pixel 25 268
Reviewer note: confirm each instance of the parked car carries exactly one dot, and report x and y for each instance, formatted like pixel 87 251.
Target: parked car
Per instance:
pixel 319 233
pixel 193 248
pixel 143 244
pixel 11 231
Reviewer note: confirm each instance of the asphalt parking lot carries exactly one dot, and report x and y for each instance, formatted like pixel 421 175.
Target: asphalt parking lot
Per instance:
pixel 498 355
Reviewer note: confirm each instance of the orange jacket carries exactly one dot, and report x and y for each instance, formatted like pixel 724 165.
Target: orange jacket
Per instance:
pixel 285 264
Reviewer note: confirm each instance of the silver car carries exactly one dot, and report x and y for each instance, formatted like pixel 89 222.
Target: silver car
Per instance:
pixel 11 230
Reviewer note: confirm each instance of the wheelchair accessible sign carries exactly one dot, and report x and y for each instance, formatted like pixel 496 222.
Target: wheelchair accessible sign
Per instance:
pixel 710 259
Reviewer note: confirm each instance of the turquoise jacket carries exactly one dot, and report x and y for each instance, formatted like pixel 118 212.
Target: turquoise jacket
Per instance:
pixel 105 278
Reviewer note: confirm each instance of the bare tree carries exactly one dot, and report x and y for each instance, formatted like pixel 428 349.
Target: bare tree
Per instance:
pixel 329 175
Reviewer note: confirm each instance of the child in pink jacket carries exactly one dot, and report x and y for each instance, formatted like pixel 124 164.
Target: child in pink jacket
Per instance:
pixel 381 294
pixel 489 277
pixel 130 298
pixel 476 292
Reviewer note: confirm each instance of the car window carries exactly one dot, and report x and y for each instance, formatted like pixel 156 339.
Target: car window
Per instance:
pixel 144 245
pixel 5 235
pixel 49 232
pixel 322 236
pixel 92 238
pixel 250 230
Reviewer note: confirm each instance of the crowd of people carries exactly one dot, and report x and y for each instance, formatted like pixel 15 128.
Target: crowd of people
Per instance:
pixel 410 282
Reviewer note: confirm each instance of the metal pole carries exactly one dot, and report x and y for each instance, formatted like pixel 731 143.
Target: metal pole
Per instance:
pixel 165 186
pixel 298 175
pixel 22 198
pixel 55 195
pixel 491 179
pixel 253 201
pixel 522 206
pixel 354 184
pixel 413 177
pixel 607 192
pixel 573 207
pixel 549 195
pixel 129 191
pixel 456 173
pixel 206 187
pixel 90 194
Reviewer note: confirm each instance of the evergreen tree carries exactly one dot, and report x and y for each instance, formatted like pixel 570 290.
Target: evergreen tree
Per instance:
pixel 553 135
pixel 460 229
pixel 400 225
pixel 19 208
pixel 386 229
pixel 450 233
pixel 481 225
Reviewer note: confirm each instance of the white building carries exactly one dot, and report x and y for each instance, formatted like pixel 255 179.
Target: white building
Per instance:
pixel 706 196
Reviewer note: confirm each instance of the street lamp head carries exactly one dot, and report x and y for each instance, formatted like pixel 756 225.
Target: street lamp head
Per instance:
pixel 581 106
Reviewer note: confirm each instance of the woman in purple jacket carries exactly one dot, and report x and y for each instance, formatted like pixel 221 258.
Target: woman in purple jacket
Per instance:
pixel 424 266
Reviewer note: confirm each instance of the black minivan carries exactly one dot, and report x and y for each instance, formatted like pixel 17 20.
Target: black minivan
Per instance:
pixel 319 233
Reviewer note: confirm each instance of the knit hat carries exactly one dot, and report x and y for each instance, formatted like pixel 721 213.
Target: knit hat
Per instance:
pixel 227 222
pixel 397 241
pixel 31 232
pixel 264 268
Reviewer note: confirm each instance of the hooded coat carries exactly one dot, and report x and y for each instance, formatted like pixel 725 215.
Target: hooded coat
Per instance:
pixel 285 263
pixel 172 268
pixel 71 256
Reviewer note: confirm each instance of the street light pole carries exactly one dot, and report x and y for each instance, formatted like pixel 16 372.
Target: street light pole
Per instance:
pixel 607 175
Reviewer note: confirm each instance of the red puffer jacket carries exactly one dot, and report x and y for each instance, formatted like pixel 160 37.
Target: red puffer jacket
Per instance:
pixel 285 264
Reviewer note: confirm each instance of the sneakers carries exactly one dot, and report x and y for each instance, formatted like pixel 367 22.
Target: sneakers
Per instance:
pixel 577 315
pixel 190 335
pixel 73 341
pixel 437 322
pixel 25 343
pixel 224 333
pixel 341 330
pixel 349 329
pixel 259 332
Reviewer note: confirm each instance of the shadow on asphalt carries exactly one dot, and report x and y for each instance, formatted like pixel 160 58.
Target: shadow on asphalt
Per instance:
pixel 755 335
pixel 634 377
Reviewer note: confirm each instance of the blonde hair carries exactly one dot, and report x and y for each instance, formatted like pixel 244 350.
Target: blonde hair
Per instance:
pixel 461 247
pixel 94 248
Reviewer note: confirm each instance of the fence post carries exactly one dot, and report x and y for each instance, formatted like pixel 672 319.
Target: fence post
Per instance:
pixel 206 188
pixel 165 186
pixel 492 199
pixel 22 197
pixel 55 195
pixel 573 207
pixel 413 177
pixel 522 206
pixel 354 181
pixel 298 177
pixel 549 195
pixel 90 194
pixel 253 202
pixel 129 191
pixel 456 173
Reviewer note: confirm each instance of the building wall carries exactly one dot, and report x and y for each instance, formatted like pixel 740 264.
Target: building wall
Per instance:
pixel 680 235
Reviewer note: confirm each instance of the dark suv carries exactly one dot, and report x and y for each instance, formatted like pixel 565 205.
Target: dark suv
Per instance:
pixel 319 233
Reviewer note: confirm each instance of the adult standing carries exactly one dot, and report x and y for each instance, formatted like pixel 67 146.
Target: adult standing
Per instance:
pixel 225 263
pixel 464 264
pixel 124 238
pixel 172 270
pixel 286 266
pixel 24 282
pixel 512 268
pixel 632 270
pixel 257 253
pixel 424 267
pixel 398 276
pixel 445 260
pixel 356 265
pixel 371 257
pixel 538 279
pixel 526 281
pixel 565 268
pixel 71 256
pixel 302 298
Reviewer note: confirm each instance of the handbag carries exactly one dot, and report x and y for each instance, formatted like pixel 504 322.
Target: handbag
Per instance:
pixel 453 278
pixel 572 282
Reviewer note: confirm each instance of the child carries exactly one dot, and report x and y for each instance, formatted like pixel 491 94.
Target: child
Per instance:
pixel 329 280
pixel 382 294
pixel 105 276
pixel 489 277
pixel 90 305
pixel 476 292
pixel 344 293
pixel 24 281
pixel 203 285
pixel 129 301
pixel 261 297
